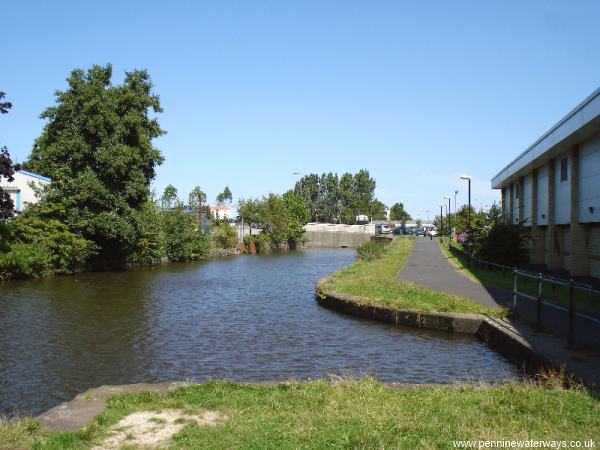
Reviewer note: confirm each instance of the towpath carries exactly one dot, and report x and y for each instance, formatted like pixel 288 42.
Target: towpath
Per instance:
pixel 428 267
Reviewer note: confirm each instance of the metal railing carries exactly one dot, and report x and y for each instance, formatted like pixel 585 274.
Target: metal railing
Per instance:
pixel 540 278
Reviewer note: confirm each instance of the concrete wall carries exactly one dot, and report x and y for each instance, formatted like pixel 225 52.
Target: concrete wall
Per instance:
pixel 337 235
pixel 562 193
pixel 589 180
pixel 542 196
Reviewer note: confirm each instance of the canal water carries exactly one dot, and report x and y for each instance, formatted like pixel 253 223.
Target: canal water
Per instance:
pixel 244 318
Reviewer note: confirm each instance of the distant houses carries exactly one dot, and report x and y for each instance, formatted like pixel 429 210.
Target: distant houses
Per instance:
pixel 21 190
pixel 221 212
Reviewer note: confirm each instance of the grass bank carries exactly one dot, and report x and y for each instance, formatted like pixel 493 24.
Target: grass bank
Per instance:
pixel 374 282
pixel 319 414
pixel 503 279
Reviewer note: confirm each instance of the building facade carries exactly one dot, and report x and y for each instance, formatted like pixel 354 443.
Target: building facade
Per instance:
pixel 221 212
pixel 553 188
pixel 22 189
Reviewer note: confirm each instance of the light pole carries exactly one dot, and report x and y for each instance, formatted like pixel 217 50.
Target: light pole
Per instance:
pixel 448 216
pixel 468 177
pixel 441 218
pixel 455 192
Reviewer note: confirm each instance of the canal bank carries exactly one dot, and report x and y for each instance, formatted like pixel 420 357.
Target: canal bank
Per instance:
pixel 372 290
pixel 361 413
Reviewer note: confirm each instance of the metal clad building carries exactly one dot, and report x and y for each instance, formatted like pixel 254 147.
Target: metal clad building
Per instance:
pixel 553 187
pixel 21 190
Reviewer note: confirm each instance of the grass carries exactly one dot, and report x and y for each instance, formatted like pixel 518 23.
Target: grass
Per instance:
pixel 350 414
pixel 503 279
pixel 374 282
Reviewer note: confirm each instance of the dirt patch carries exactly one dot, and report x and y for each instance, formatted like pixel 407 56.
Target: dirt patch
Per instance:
pixel 147 429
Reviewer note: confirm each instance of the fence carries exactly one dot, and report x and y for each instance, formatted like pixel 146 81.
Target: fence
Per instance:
pixel 540 279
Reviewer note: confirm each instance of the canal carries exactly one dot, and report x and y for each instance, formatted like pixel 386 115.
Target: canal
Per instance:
pixel 244 318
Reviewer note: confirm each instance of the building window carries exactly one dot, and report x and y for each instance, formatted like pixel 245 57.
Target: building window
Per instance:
pixel 564 169
pixel 516 191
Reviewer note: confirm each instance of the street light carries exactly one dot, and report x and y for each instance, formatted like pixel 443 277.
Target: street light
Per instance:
pixel 468 177
pixel 441 218
pixel 455 192
pixel 448 216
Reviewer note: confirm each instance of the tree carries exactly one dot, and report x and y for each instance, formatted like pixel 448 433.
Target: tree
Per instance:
pixel 398 213
pixel 197 199
pixel 224 197
pixel 7 171
pixel 496 239
pixel 97 148
pixel 169 198
pixel 334 199
pixel 377 210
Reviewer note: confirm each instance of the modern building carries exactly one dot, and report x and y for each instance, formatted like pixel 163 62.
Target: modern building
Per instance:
pixel 22 189
pixel 553 188
pixel 221 212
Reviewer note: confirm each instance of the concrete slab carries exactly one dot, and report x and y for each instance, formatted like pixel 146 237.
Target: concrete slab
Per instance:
pixel 71 416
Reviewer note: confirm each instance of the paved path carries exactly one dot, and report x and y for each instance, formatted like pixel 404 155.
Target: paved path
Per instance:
pixel 428 267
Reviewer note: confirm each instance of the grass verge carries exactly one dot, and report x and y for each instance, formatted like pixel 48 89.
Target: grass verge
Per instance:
pixel 503 279
pixel 374 283
pixel 350 414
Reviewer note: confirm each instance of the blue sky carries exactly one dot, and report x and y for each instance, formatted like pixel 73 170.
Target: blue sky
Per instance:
pixel 253 91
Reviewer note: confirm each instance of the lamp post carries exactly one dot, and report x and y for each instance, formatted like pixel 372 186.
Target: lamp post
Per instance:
pixel 441 218
pixel 448 216
pixel 468 178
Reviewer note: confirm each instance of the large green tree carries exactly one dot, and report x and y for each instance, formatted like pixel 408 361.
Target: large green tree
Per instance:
pixel 398 213
pixel 97 148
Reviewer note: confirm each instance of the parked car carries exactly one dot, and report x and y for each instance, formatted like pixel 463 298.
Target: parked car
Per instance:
pixel 382 228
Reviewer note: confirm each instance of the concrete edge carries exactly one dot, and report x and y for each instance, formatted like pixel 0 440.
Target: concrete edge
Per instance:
pixel 467 323
pixel 492 332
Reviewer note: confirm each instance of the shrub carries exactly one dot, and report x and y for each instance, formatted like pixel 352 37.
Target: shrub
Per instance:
pixel 68 252
pixel 261 241
pixel 151 240
pixel 501 242
pixel 224 235
pixel 183 240
pixel 26 261
pixel 370 251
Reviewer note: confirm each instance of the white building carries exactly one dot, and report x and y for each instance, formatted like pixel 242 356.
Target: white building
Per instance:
pixel 221 212
pixel 553 187
pixel 21 190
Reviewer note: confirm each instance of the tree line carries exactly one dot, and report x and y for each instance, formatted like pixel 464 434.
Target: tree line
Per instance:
pixel 339 199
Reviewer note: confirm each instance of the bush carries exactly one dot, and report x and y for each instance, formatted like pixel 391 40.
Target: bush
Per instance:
pixel 224 235
pixel 370 251
pixel 36 231
pixel 26 261
pixel 183 240
pixel 151 241
pixel 261 242
pixel 501 242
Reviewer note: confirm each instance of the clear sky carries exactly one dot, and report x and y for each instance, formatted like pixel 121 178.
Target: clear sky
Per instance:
pixel 253 91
